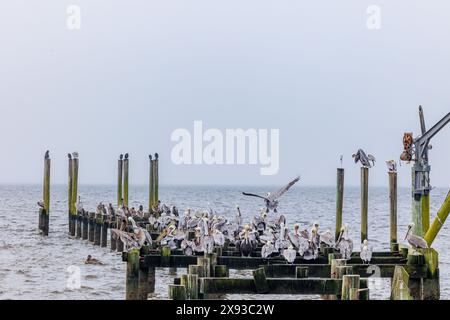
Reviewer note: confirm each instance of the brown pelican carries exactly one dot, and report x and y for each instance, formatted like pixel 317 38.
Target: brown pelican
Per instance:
pixel 121 157
pixel 126 155
pixel 245 245
pixel 271 199
pixel 41 204
pixel 391 165
pixel 141 234
pixel 267 249
pixel 79 205
pixel 91 260
pixel 366 252
pixel 289 254
pixel 344 243
pixel 69 156
pixel 413 240
pixel 365 160
pixel 327 238
pixel 47 155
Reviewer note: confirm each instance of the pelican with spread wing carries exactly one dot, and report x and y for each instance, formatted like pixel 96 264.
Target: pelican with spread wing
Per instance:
pixel 271 199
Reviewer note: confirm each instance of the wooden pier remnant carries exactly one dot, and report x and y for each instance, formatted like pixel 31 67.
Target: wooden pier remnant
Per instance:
pixel 150 186
pixel 364 203
pixel 74 193
pixel 132 277
pixel 119 180
pixel 125 180
pixel 339 201
pixel 44 213
pixel 69 192
pixel 350 287
pixel 85 225
pixel 98 229
pixel 91 227
pixel 393 210
pixel 105 226
pixel 155 180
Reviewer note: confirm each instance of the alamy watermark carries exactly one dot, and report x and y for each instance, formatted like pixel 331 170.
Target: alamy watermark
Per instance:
pixel 232 147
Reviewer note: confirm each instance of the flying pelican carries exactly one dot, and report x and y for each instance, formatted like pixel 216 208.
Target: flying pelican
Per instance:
pixel 391 165
pixel 271 199
pixel 366 252
pixel 91 260
pixel 344 243
pixel 413 240
pixel 365 160
pixel 289 254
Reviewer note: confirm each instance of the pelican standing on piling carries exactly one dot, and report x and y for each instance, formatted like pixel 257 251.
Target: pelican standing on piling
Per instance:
pixel 344 243
pixel 366 252
pixel 367 160
pixel 413 240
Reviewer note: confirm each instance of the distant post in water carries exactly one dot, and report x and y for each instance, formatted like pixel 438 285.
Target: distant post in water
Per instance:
pixel 150 186
pixel 339 201
pixel 44 212
pixel 74 191
pixel 125 180
pixel 119 181
pixel 393 209
pixel 69 193
pixel 155 180
pixel 364 202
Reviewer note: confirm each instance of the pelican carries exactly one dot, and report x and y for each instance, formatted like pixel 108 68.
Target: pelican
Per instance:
pixel 413 240
pixel 126 156
pixel 344 243
pixel 271 199
pixel 267 250
pixel 289 254
pixel 327 238
pixel 75 155
pixel 41 204
pixel 47 155
pixel 141 234
pixel 79 205
pixel 366 252
pixel 245 245
pixel 69 156
pixel 91 260
pixel 391 165
pixel 365 160
pixel 111 210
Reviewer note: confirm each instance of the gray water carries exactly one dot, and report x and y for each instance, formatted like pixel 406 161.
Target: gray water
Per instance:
pixel 33 267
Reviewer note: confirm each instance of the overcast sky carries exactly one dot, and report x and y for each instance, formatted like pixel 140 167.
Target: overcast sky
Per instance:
pixel 138 70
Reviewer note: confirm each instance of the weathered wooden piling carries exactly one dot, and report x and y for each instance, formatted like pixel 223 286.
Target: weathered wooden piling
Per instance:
pixel 339 201
pixel 69 192
pixel 98 229
pixel 393 210
pixel 105 227
pixel 165 256
pixel 221 271
pixel 74 197
pixel 156 180
pixel 177 292
pixel 125 180
pixel 132 278
pixel 119 181
pixel 91 227
pixel 350 287
pixel 192 286
pixel 146 277
pixel 150 186
pixel 79 224
pixel 44 213
pixel 260 280
pixel 364 202
pixel 85 216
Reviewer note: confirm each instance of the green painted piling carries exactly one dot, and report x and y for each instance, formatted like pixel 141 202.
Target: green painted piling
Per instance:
pixel 105 225
pixel 165 256
pixel 364 202
pixel 132 277
pixel 438 221
pixel 339 201
pixel 74 196
pixel 393 210
pixel 119 182
pixel 177 292
pixel 144 283
pixel 125 181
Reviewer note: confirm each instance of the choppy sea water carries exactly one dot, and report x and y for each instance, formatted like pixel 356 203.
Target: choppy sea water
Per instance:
pixel 33 267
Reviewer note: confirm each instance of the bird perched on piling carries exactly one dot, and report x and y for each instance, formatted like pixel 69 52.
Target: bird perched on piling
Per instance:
pixel 267 249
pixel 366 252
pixel 121 157
pixel 413 240
pixel 75 155
pixel 41 204
pixel 126 156
pixel 289 254
pixel 391 165
pixel 344 243
pixel 156 156
pixel 69 156
pixel 47 155
pixel 91 260
pixel 364 158
pixel 271 199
